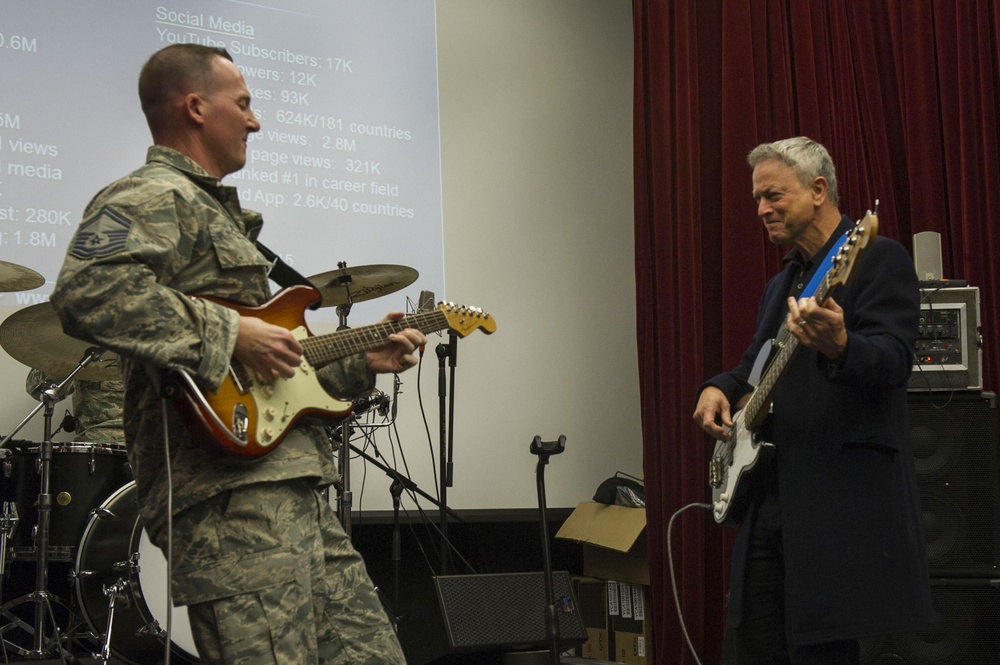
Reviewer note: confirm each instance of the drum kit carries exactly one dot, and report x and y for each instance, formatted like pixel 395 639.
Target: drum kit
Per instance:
pixel 69 511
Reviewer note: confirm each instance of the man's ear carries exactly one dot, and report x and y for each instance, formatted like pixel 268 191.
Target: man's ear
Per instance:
pixel 819 190
pixel 194 107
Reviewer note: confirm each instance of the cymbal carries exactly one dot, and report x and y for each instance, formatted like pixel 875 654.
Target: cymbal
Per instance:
pixel 34 336
pixel 18 278
pixel 361 283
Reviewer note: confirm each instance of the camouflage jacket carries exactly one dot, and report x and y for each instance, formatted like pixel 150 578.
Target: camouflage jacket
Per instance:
pixel 146 243
pixel 97 406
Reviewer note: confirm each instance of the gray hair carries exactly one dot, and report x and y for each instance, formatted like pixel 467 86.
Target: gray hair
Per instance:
pixel 806 157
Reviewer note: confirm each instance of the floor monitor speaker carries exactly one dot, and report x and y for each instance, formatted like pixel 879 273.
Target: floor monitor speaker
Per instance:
pixel 473 617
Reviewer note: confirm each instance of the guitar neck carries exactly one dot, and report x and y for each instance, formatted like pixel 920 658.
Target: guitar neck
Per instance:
pixel 322 350
pixel 760 400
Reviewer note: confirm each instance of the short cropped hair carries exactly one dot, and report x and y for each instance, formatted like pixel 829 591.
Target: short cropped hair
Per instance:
pixel 174 70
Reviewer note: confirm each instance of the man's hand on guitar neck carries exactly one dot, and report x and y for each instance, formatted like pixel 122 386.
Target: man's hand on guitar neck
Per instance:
pixel 819 327
pixel 396 356
pixel 268 351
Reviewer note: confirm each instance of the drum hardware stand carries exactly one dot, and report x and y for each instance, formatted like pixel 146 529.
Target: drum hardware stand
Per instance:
pixel 345 497
pixel 8 526
pixel 115 593
pixel 41 596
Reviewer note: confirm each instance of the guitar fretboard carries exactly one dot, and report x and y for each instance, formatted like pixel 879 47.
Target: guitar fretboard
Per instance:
pixel 321 350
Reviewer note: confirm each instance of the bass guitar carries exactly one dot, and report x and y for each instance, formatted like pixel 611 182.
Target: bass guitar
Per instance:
pixel 246 419
pixel 734 462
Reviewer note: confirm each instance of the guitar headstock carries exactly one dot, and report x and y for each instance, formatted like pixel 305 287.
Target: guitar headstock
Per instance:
pixel 463 320
pixel 859 239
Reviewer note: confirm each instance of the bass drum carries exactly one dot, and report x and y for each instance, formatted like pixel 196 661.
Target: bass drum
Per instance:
pixel 81 475
pixel 115 549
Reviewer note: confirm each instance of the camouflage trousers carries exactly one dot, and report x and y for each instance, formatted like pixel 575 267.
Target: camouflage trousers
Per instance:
pixel 271 578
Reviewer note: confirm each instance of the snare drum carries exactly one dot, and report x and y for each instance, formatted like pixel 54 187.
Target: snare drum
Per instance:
pixel 115 548
pixel 81 476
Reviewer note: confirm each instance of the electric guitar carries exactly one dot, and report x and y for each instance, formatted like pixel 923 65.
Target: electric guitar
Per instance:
pixel 734 463
pixel 246 419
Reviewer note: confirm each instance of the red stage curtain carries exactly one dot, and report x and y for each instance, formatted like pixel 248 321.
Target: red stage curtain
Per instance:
pixel 902 92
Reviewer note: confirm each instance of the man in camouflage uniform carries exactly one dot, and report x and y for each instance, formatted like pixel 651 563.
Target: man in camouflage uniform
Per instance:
pixel 268 574
pixel 97 406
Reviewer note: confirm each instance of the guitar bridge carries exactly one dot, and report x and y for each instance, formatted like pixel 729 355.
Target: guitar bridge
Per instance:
pixel 715 472
pixel 241 422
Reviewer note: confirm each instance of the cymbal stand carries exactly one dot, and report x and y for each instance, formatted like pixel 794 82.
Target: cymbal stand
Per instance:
pixel 344 308
pixel 41 595
pixel 344 495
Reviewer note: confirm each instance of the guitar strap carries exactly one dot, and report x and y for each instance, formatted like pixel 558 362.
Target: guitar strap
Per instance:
pixel 824 267
pixel 283 274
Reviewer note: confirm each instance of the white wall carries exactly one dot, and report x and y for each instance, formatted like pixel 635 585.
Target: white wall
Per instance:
pixel 536 118
pixel 536 104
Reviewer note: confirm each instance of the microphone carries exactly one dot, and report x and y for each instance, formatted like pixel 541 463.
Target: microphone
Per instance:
pixel 68 423
pixel 425 303
pixel 373 400
pixel 395 392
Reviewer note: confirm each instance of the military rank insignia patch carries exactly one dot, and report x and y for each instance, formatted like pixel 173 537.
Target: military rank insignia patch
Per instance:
pixel 103 234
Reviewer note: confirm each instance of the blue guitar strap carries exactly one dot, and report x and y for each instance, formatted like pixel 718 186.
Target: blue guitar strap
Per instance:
pixel 824 267
pixel 764 355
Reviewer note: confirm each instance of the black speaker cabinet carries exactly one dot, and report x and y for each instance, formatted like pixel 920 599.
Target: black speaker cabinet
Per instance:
pixel 487 616
pixel 955 449
pixel 966 629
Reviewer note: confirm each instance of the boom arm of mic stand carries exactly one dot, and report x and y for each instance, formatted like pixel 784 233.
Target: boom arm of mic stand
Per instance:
pixel 406 482
pixel 48 397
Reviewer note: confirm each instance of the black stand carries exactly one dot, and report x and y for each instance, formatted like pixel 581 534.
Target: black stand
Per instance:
pixel 42 598
pixel 400 483
pixel 407 484
pixel 545 449
pixel 446 415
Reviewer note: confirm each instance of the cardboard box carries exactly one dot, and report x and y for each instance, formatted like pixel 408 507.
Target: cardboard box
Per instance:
pixel 616 618
pixel 632 631
pixel 592 596
pixel 614 541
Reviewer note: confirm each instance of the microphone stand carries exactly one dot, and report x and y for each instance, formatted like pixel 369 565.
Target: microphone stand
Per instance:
pixel 408 484
pixel 446 417
pixel 399 483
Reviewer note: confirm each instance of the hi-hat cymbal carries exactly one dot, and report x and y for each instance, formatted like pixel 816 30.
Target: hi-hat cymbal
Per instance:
pixel 18 278
pixel 34 336
pixel 361 283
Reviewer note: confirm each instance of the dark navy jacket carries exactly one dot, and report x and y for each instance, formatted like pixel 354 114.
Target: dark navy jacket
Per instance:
pixel 854 545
